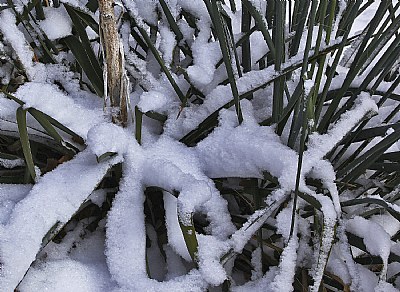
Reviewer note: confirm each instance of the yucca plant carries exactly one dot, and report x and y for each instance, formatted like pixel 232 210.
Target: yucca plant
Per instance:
pixel 199 145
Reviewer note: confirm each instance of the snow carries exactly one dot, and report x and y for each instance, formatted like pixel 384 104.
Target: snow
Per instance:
pixel 175 236
pixel 205 57
pixel 57 23
pixel 369 231
pixel 210 252
pixel 17 40
pixel 256 262
pixel 52 101
pixel 63 276
pixel 9 196
pixel 11 163
pixel 283 280
pixel 106 137
pixel 55 198
pixel 152 101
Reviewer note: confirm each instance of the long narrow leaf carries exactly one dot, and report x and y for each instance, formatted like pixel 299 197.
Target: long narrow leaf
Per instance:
pixel 189 234
pixel 26 146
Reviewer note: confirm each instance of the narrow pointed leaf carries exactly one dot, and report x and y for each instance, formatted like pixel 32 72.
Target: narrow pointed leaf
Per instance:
pixel 26 146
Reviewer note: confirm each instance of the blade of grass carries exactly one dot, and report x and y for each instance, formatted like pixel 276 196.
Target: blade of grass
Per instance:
pixel 302 114
pixel 278 37
pixel 76 20
pixel 189 235
pixel 86 18
pixel 357 167
pixel 298 25
pixel 360 59
pixel 160 61
pixel 138 125
pixel 324 123
pixel 39 116
pixel 80 54
pixel 26 147
pixel 226 45
pixel 175 28
pixel 370 200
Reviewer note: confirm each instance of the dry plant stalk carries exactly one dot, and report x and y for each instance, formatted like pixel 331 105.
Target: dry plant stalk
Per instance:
pixel 114 77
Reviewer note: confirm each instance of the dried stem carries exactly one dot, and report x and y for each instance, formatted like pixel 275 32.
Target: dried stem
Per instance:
pixel 115 78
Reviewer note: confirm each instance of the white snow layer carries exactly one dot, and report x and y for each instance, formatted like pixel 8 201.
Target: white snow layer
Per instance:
pixel 54 199
pixel 58 194
pixel 57 23
pixel 52 101
pixel 17 40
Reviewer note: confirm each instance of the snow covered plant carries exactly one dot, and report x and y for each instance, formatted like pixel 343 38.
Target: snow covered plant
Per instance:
pixel 199 145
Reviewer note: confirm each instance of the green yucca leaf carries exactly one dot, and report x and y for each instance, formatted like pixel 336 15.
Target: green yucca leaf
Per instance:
pixel 44 122
pixel 260 21
pixel 370 133
pixel 301 118
pixel 139 41
pixel 60 126
pixel 370 30
pixel 365 6
pixel 81 56
pixel 156 116
pixel 358 242
pixel 381 68
pixel 321 15
pixel 189 234
pixel 245 44
pixel 85 17
pixel 226 43
pixel 385 166
pixel 51 234
pixel 105 156
pixel 12 97
pixel 380 39
pixel 42 115
pixel 392 156
pixel 297 120
pixel 26 146
pixel 175 28
pixel 278 35
pixel 171 20
pixel 311 200
pixel 324 123
pixel 388 64
pixel 357 167
pixel 160 61
pixel 138 125
pixel 92 65
pixel 39 11
pixel 41 38
pixel 299 22
pixel 8 156
pixel 28 8
pixel 368 200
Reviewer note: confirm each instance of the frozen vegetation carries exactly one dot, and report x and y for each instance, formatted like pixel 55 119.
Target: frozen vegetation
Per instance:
pixel 254 146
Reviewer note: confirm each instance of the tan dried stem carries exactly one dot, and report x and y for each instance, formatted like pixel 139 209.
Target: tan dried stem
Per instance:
pixel 116 85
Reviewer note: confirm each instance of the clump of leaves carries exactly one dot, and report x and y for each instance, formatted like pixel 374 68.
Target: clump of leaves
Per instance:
pixel 291 71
